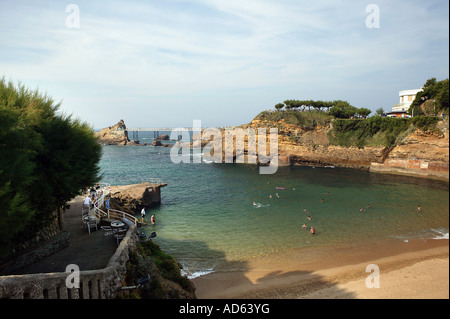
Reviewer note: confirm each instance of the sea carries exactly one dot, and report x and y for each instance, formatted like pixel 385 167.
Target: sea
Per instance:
pixel 216 216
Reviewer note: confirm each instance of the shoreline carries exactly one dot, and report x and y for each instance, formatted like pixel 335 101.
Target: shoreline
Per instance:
pixel 416 269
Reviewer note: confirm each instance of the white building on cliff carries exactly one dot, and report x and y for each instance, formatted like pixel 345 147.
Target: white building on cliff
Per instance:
pixel 406 99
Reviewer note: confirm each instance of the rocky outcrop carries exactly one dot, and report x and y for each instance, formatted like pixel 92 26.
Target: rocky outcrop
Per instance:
pixel 132 198
pixel 163 137
pixel 420 154
pixel 114 135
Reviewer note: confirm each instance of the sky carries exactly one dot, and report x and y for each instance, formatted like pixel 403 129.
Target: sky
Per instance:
pixel 166 63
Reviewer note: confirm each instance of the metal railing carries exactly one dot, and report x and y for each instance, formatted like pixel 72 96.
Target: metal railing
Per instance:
pixel 117 214
pixel 111 213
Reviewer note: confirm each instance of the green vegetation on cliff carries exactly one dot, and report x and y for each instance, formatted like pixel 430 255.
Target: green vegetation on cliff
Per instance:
pixel 45 159
pixel 166 281
pixel 433 100
pixel 305 120
pixel 377 130
pixel 372 131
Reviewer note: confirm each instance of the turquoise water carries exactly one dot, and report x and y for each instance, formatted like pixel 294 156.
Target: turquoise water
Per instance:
pixel 208 219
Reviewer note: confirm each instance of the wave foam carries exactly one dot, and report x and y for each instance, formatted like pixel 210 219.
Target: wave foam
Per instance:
pixel 196 274
pixel 440 233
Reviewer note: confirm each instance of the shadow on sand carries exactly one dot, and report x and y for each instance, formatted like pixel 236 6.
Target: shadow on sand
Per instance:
pixel 235 279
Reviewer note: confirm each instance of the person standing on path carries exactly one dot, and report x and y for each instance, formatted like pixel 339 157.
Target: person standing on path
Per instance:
pixel 86 205
pixel 142 215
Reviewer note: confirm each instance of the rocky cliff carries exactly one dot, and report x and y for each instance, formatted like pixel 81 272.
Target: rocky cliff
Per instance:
pixel 418 153
pixel 115 135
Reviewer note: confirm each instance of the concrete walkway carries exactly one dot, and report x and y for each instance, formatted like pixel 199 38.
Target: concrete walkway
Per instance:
pixel 87 251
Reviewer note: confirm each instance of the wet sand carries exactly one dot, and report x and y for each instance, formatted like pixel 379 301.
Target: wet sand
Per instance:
pixel 417 269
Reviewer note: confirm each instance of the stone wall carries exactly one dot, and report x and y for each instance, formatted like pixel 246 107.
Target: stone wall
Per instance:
pixel 94 284
pixel 36 253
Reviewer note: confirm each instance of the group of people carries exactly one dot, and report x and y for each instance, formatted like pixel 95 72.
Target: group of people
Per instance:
pixel 152 219
pixel 89 201
pixel 90 198
pixel 312 230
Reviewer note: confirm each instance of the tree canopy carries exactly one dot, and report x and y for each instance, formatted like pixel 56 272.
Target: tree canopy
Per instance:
pixel 46 158
pixel 337 108
pixel 432 100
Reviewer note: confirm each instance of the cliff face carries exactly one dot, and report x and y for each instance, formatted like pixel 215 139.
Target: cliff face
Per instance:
pixel 297 146
pixel 418 153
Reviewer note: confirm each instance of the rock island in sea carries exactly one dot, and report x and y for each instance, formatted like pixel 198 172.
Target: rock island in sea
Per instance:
pixel 118 135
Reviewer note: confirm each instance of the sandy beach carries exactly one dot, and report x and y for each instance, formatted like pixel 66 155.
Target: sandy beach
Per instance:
pixel 417 269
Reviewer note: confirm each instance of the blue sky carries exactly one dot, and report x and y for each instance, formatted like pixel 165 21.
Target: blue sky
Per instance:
pixel 166 63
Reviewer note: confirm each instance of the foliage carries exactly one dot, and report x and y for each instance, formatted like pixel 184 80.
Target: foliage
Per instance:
pixel 138 267
pixel 425 123
pixel 379 111
pixel 337 108
pixel 45 160
pixel 376 131
pixel 306 120
pixel 279 106
pixel 434 98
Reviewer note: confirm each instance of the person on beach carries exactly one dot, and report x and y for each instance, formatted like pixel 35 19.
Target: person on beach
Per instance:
pixel 419 208
pixel 142 215
pixel 312 231
pixel 153 219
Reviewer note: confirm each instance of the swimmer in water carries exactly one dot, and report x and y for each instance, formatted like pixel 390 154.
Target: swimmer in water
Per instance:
pixel 277 195
pixel 419 208
pixel 304 226
pixel 312 231
pixel 270 196
pixel 361 210
pixel 309 217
